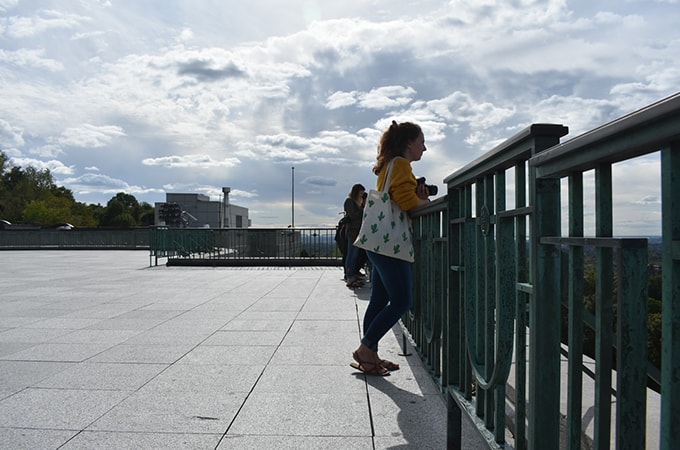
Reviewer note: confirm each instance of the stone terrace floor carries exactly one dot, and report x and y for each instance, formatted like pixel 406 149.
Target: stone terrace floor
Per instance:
pixel 100 351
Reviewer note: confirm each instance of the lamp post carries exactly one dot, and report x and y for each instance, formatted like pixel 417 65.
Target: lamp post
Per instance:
pixel 292 198
pixel 226 222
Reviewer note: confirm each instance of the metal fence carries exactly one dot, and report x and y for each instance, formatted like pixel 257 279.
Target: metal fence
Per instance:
pixel 76 239
pixel 245 246
pixel 493 280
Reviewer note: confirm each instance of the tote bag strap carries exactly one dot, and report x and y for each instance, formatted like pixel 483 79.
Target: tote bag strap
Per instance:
pixel 386 182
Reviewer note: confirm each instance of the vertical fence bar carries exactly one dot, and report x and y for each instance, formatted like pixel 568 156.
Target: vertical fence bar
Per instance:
pixel 469 291
pixel 544 320
pixel 454 350
pixel 575 316
pixel 603 308
pixel 504 287
pixel 489 297
pixel 476 338
pixel 453 337
pixel 631 345
pixel 506 284
pixel 522 300
pixel 670 352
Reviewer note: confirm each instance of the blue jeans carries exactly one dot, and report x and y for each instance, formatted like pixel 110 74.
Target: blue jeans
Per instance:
pixel 351 259
pixel 391 297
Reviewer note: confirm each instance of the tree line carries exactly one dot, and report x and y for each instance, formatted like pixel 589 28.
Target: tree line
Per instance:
pixel 30 196
pixel 654 299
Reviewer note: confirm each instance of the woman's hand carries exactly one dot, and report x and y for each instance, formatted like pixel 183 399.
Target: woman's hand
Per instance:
pixel 422 192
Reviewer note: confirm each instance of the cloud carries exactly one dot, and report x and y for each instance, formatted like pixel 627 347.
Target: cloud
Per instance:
pixel 340 99
pixel 30 58
pixel 203 71
pixel 649 200
pixel 6 5
pixel 10 136
pixel 387 97
pixel 92 182
pixel 90 136
pixel 55 167
pixel 319 181
pixel 326 147
pixel 256 87
pixel 24 27
pixel 184 161
pixel 47 151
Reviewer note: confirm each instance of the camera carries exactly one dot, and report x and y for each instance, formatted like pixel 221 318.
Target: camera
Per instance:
pixel 431 189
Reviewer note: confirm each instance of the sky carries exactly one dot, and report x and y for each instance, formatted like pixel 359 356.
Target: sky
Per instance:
pixel 150 97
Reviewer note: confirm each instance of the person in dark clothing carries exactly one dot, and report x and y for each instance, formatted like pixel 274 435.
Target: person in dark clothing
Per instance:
pixel 354 211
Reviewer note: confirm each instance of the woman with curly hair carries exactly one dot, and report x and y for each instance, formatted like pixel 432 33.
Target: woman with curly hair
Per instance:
pixel 391 278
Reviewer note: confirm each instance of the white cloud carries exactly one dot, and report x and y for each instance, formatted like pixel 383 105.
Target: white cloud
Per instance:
pixel 183 161
pixel 24 27
pixel 30 58
pixel 10 136
pixel 55 167
pixel 340 99
pixel 387 97
pixel 90 136
pixel 91 182
pixel 47 151
pixel 6 5
pixel 197 95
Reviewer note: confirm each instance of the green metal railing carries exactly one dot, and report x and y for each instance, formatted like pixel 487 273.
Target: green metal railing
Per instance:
pixel 621 272
pixel 76 239
pixel 244 246
pixel 494 272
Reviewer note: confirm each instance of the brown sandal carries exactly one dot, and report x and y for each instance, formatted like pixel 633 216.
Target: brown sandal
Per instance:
pixel 389 365
pixel 369 367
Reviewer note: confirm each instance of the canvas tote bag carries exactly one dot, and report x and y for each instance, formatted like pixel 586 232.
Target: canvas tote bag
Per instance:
pixel 385 228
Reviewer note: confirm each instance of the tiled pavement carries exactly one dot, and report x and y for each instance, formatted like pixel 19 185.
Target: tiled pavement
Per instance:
pixel 100 351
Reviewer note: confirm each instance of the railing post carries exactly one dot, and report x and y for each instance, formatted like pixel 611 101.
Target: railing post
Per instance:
pixel 604 314
pixel 631 345
pixel 670 349
pixel 544 321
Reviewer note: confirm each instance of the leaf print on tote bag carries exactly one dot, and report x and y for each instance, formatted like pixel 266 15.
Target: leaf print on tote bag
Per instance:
pixel 385 228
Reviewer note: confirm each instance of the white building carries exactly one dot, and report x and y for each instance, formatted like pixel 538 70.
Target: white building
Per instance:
pixel 199 212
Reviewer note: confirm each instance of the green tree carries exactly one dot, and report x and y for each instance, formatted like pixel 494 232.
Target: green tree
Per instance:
pixel 31 195
pixel 20 186
pixel 47 213
pixel 84 215
pixel 654 286
pixel 119 211
pixel 654 338
pixel 146 216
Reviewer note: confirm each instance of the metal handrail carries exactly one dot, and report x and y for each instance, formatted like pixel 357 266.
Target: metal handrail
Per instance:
pixel 507 272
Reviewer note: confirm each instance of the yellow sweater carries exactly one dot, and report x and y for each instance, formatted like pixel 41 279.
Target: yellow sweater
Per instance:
pixel 402 183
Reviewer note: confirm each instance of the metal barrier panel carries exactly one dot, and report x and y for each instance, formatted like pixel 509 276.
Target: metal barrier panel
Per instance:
pixel 77 238
pixel 245 246
pixel 514 279
pixel 487 284
pixel 621 281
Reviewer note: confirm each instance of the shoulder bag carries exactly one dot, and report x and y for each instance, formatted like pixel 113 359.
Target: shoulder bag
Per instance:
pixel 385 228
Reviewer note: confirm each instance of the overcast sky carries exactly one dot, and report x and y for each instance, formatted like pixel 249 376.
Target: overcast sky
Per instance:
pixel 153 96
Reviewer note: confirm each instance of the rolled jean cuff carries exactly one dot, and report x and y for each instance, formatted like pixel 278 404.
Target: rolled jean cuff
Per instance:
pixel 372 345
